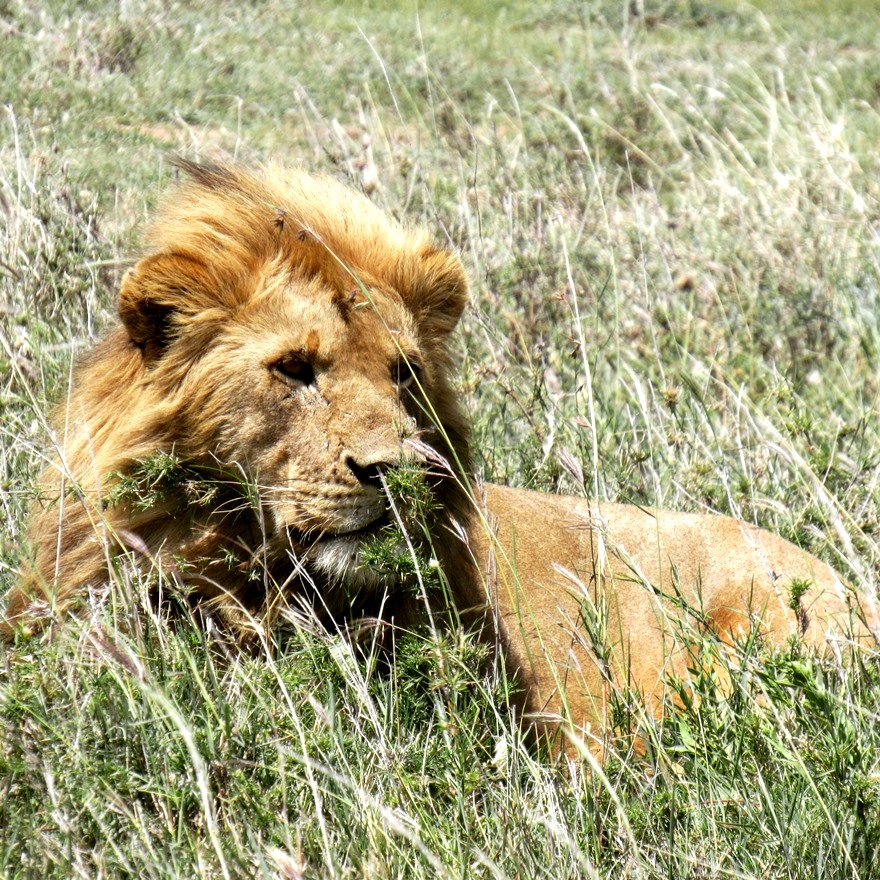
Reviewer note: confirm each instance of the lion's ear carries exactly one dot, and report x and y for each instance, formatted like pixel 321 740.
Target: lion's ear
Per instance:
pixel 155 290
pixel 443 293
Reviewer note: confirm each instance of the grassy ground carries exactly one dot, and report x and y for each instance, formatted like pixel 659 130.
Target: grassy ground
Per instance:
pixel 670 214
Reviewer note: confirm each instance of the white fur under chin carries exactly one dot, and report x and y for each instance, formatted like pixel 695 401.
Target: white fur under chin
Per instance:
pixel 339 560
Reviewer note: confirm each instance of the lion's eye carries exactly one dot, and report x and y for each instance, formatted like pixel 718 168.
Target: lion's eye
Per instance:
pixel 406 372
pixel 295 370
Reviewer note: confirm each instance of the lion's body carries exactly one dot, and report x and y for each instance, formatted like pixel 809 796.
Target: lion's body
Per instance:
pixel 572 579
pixel 283 333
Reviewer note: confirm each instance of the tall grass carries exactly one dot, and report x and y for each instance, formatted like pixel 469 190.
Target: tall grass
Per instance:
pixel 669 212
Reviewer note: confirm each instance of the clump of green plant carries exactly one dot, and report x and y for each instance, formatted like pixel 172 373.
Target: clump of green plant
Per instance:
pixel 165 478
pixel 402 547
pixel 153 481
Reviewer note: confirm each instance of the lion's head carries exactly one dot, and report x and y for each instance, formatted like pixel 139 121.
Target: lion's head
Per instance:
pixel 281 329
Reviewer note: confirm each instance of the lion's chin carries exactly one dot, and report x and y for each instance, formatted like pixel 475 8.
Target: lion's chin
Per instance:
pixel 338 559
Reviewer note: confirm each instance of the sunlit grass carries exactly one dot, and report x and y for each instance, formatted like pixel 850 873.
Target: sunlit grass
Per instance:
pixel 669 214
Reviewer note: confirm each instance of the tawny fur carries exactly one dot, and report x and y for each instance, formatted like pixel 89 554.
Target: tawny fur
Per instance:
pixel 281 328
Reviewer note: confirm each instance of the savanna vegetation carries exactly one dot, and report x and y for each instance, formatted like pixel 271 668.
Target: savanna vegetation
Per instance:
pixel 670 212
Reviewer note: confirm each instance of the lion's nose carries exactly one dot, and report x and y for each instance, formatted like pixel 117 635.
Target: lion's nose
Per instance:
pixel 369 474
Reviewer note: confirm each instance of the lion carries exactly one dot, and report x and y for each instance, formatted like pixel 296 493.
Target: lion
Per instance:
pixel 284 347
